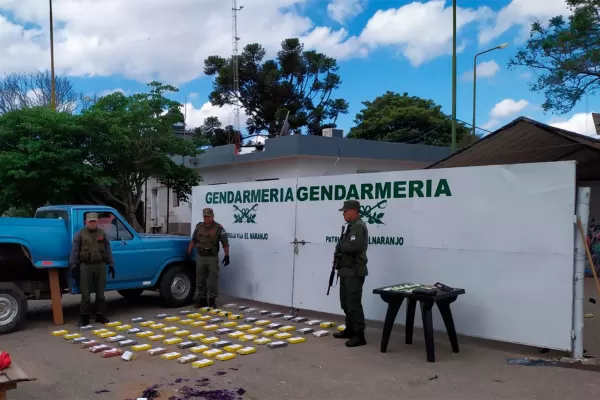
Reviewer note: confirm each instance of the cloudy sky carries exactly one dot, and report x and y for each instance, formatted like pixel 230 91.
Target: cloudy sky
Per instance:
pixel 398 45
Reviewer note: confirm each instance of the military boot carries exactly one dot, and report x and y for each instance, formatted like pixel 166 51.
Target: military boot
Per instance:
pixel 101 319
pixel 358 339
pixel 345 334
pixel 212 302
pixel 83 320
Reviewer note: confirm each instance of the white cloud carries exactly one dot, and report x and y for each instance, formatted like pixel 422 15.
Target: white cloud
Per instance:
pixel 485 69
pixel 342 11
pixel 579 123
pixel 526 75
pixel 522 13
pixel 195 116
pixel 507 108
pixel 111 91
pixel 149 39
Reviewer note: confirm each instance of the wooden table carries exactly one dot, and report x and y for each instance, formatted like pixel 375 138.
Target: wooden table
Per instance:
pixel 10 377
pixel 443 299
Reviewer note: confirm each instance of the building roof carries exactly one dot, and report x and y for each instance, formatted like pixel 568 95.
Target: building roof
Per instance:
pixel 527 141
pixel 318 146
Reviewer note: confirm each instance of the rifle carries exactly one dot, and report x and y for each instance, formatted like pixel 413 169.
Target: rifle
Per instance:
pixel 334 265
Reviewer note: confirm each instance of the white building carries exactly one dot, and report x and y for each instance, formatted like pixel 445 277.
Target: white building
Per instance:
pixel 284 157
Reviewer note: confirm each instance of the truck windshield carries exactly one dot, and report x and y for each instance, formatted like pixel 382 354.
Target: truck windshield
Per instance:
pixel 53 214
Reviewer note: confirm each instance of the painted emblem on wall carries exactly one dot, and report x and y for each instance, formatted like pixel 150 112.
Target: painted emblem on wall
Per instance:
pixel 244 215
pixel 373 214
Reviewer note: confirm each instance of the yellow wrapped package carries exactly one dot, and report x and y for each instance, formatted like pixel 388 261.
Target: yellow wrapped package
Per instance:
pixel 282 335
pixel 262 341
pixel 70 336
pixel 229 324
pixel 193 315
pixel 341 328
pixel 123 327
pixel 233 347
pixel 157 326
pixel 196 336
pixel 214 311
pixel 172 319
pixel 205 309
pixel 147 323
pixel 326 325
pixel 99 331
pixel 199 349
pixel 174 340
pixel 182 333
pixel 105 335
pixel 235 334
pixel 297 339
pixel 244 327
pixel 255 331
pixel 156 337
pixel 224 313
pixel 205 318
pixel 247 338
pixel 186 321
pixel 270 332
pixel 197 324
pixel 262 322
pixel 63 332
pixel 113 324
pixel 209 340
pixel 211 327
pixel 225 356
pixel 141 347
pixel 170 356
pixel 287 328
pixel 246 350
pixel 212 352
pixel 144 334
pixel 202 363
pixel 236 316
pixel 170 329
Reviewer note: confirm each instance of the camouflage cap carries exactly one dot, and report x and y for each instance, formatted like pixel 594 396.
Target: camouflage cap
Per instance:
pixel 91 216
pixel 350 205
pixel 208 212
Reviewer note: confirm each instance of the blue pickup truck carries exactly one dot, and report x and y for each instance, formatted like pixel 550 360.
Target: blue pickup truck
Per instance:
pixel 29 246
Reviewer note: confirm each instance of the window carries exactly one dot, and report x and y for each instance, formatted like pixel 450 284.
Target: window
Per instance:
pixel 115 230
pixel 53 214
pixel 175 199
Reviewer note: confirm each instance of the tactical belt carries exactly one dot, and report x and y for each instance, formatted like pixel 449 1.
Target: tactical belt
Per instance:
pixel 206 252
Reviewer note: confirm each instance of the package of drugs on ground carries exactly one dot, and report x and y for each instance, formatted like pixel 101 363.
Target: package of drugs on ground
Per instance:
pixel 172 319
pixel 147 323
pixel 186 321
pixel 205 309
pixel 244 327
pixel 276 315
pixel 99 331
pixel 262 322
pixel 341 328
pixel 282 335
pixel 157 351
pixel 274 326
pixel 306 331
pixel 242 308
pixel 252 310
pixel 105 335
pixel 229 324
pixel 262 341
pixel 246 350
pixel 225 356
pixel 99 348
pixel 157 326
pixel 232 348
pixel 187 359
pixel 223 331
pixel 264 312
pixel 78 340
pixel 230 305
pixel 212 352
pixel 111 353
pixel 247 338
pixel 182 333
pixel 170 356
pixel 155 338
pixel 126 343
pixel 184 312
pixel 70 336
pixel 205 318
pixel 115 339
pixel 199 349
pixel 287 328
pixel 144 334
pixel 236 316
pixel 224 313
pixel 113 324
pixel 196 336
pixel 297 339
pixel 89 343
pixel 236 334
pixel 214 311
pixel 203 363
pixel 255 331
pixel 141 347
pixel 270 332
pixel 220 344
pixel 86 328
pixel 327 324
pixel 250 320
pixel 133 330
pixel 193 315
pixel 321 333
pixel 121 328
pixel 127 356
pixel 211 327
pixel 209 340
pixel 137 320
pixel 314 322
pixel 288 317
pixel 276 345
pixel 170 329
pixel 162 316
pixel 174 340
pixel 215 321
pixel 300 319
pixel 197 324
pixel 187 344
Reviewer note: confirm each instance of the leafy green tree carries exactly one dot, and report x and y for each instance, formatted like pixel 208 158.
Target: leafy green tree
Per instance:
pixel 43 157
pixel 131 139
pixel 409 119
pixel 297 81
pixel 565 55
pixel 212 133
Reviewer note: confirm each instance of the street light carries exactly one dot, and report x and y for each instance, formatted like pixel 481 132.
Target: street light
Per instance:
pixel 500 47
pixel 52 79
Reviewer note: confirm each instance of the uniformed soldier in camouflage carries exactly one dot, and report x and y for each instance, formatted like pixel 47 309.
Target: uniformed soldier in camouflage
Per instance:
pixel 206 238
pixel 351 253
pixel 91 253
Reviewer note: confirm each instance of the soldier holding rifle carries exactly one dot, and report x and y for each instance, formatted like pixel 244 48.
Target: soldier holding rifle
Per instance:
pixel 351 264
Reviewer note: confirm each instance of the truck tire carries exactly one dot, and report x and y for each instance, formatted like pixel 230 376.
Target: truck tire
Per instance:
pixel 131 293
pixel 13 307
pixel 177 286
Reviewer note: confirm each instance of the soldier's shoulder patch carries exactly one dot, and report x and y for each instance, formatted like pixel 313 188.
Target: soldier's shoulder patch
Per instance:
pixel 353 237
pixel 222 229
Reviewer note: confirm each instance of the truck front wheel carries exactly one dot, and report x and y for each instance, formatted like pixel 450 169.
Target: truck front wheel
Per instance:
pixel 177 286
pixel 13 307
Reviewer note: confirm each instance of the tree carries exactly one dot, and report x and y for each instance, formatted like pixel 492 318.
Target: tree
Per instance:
pixel 42 154
pixel 409 119
pixel 566 54
pixel 297 81
pixel 212 133
pixel 132 140
pixel 34 89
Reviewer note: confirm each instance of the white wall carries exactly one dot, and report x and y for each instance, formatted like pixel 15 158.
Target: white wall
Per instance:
pixel 283 168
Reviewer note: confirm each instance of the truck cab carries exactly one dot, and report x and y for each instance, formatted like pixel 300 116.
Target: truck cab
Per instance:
pixel 30 246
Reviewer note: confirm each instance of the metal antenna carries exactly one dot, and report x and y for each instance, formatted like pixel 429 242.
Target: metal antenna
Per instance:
pixel 235 67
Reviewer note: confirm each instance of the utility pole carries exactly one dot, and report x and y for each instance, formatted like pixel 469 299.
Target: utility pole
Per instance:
pixel 453 76
pixel 236 72
pixel 52 78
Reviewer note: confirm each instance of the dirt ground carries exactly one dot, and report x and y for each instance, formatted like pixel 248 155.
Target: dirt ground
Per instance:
pixel 321 368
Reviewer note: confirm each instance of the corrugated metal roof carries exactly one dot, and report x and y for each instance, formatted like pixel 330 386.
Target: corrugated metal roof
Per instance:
pixel 527 141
